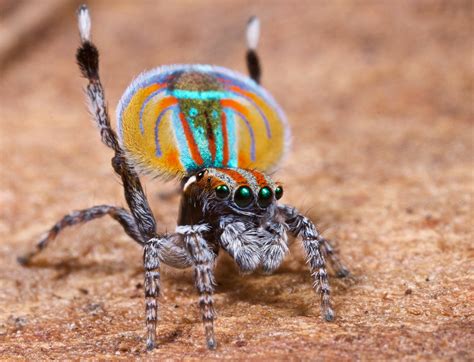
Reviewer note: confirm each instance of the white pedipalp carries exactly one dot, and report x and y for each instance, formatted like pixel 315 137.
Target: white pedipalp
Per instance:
pixel 253 32
pixel 84 23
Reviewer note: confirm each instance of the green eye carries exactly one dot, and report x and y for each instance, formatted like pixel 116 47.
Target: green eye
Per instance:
pixel 222 191
pixel 265 196
pixel 243 196
pixel 279 192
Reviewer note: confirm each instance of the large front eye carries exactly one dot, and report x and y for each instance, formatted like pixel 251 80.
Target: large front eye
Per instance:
pixel 265 196
pixel 222 192
pixel 243 196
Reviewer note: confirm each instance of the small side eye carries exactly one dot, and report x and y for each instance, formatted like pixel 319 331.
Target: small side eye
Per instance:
pixel 222 192
pixel 265 196
pixel 243 196
pixel 278 192
pixel 200 175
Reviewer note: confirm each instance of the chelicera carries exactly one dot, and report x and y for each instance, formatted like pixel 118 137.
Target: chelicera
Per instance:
pixel 220 134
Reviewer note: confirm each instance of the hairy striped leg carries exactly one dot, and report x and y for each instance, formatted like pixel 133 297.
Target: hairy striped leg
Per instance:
pixel 242 240
pixel 203 259
pixel 83 216
pixel 88 60
pixel 275 248
pixel 304 228
pixel 151 264
pixel 339 268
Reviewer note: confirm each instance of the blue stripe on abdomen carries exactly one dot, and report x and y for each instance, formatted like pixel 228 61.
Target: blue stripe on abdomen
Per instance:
pixel 142 109
pixel 232 142
pixel 181 142
pixel 174 108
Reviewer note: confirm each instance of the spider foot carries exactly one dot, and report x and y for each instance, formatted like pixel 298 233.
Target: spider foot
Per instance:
pixel 329 314
pixel 150 344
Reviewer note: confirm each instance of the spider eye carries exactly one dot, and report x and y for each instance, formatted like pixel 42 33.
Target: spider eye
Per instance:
pixel 279 192
pixel 243 196
pixel 200 175
pixel 265 196
pixel 222 191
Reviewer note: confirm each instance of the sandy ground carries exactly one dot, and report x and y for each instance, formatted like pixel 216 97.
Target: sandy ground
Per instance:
pixel 379 95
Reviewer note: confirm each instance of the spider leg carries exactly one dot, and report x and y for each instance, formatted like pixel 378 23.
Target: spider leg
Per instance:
pixel 151 263
pixel 203 259
pixel 253 62
pixel 83 216
pixel 339 268
pixel 242 241
pixel 275 248
pixel 301 226
pixel 88 60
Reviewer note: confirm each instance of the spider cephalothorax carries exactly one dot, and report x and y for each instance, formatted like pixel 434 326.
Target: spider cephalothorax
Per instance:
pixel 220 133
pixel 224 191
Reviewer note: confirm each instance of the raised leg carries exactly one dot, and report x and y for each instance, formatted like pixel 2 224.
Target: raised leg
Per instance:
pixel 203 258
pixel 253 35
pixel 88 60
pixel 301 226
pixel 82 216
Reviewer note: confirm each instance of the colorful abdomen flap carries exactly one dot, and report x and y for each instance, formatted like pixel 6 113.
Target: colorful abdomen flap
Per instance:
pixel 174 120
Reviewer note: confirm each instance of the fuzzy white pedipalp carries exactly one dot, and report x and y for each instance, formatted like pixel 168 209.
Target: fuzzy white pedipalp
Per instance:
pixel 84 23
pixel 253 32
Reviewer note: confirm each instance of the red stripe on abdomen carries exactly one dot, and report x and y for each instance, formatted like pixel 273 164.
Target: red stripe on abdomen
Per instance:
pixel 191 142
pixel 225 151
pixel 236 176
pixel 261 180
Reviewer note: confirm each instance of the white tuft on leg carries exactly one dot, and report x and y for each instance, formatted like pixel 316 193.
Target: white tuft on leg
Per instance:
pixel 84 23
pixel 253 32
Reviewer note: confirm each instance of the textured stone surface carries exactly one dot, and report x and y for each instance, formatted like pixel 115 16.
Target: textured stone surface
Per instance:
pixel 379 96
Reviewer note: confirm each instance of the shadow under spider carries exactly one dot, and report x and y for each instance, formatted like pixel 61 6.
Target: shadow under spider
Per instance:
pixel 72 265
pixel 274 289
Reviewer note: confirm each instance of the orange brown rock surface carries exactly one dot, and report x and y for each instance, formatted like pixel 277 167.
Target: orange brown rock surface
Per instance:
pixel 379 96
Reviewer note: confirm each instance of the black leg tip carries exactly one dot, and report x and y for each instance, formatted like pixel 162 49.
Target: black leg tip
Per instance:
pixel 211 344
pixel 342 273
pixel 329 315
pixel 23 260
pixel 150 345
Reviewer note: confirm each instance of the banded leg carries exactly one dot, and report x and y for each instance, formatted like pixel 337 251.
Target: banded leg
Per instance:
pixel 83 216
pixel 301 226
pixel 151 264
pixel 275 249
pixel 88 60
pixel 203 258
pixel 253 35
pixel 339 268
pixel 243 242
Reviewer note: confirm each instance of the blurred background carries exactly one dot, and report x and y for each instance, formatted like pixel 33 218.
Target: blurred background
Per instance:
pixel 379 95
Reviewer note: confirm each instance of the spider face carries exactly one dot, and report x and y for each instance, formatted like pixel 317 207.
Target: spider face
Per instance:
pixel 233 191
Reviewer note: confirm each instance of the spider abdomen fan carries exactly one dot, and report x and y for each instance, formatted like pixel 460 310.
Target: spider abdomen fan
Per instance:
pixel 177 119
